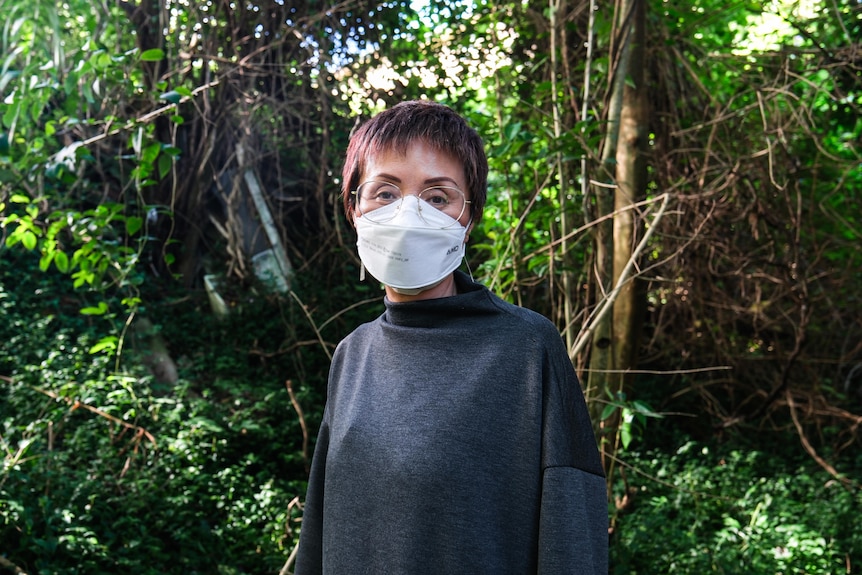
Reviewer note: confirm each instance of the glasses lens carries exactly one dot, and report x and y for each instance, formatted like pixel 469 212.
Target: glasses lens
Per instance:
pixel 448 200
pixel 372 196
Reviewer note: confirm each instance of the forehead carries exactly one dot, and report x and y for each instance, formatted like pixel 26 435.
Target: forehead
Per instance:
pixel 419 159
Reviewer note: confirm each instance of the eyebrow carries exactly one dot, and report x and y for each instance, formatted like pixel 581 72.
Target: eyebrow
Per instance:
pixel 435 180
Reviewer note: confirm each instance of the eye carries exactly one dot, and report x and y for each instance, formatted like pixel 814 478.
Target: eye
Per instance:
pixel 437 197
pixel 381 192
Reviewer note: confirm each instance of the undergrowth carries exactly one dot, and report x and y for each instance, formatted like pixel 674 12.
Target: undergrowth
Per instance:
pixel 107 470
pixel 718 508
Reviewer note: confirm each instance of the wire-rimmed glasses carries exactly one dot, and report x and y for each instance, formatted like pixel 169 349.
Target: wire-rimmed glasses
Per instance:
pixel 373 195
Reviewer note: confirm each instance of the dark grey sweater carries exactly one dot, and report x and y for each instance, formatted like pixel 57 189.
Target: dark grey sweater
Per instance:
pixel 455 440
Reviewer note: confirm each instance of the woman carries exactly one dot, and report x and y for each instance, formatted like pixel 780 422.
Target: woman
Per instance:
pixel 455 437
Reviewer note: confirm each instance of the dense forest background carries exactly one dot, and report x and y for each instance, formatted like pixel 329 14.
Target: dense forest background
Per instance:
pixel 676 183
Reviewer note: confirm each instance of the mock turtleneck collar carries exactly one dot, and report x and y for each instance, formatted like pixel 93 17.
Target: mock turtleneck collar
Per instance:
pixel 429 312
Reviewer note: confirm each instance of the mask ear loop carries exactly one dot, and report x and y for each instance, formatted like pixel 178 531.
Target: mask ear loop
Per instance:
pixel 469 271
pixel 353 222
pixel 466 239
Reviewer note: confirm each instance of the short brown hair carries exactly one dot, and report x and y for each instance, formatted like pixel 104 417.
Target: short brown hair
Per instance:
pixel 439 126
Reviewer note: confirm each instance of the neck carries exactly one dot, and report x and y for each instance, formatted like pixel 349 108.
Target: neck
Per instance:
pixel 445 288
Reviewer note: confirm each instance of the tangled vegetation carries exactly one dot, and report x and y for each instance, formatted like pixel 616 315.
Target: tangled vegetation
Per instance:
pixel 160 394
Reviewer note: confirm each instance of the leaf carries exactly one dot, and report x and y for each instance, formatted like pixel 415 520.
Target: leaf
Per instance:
pixel 45 260
pixel 173 97
pixel 131 302
pixel 9 75
pixel 105 344
pixel 626 436
pixel 10 118
pixel 103 60
pixel 512 130
pixel 61 260
pixel 152 55
pixel 133 225
pixel 205 424
pixel 28 239
pixel 608 410
pixel 165 164
pixel 36 110
pixel 645 409
pixel 95 310
pixel 151 152
pixel 88 92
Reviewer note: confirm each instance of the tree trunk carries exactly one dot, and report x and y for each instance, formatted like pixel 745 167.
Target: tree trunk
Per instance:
pixel 614 344
pixel 631 187
pixel 601 358
pixel 557 8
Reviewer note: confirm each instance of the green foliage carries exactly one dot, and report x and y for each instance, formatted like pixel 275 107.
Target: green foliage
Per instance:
pixel 108 471
pixel 90 235
pixel 631 416
pixel 719 509
pixel 58 198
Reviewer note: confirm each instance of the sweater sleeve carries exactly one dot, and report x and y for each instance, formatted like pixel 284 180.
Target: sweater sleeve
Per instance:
pixel 573 533
pixel 573 523
pixel 309 557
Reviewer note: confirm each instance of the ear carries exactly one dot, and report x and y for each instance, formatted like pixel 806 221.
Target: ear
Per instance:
pixel 469 229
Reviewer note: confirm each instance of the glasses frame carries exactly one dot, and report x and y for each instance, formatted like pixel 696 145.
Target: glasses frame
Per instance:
pixel 400 202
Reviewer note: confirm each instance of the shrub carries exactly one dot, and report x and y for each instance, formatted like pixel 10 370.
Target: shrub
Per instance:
pixel 717 509
pixel 106 471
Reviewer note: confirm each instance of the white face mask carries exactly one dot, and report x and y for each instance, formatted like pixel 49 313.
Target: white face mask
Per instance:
pixel 411 253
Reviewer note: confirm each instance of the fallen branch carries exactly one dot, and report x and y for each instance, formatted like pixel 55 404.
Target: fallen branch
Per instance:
pixel 607 304
pixel 145 117
pixel 304 309
pixel 810 448
pixel 285 569
pixel 6 564
pixel 301 415
pixel 75 404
